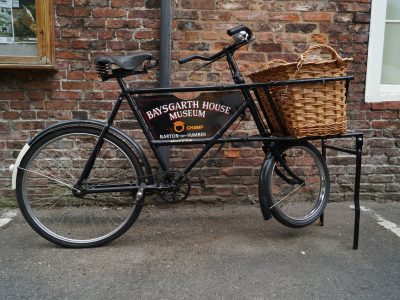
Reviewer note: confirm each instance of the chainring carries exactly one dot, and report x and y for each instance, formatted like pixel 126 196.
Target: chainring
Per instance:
pixel 179 186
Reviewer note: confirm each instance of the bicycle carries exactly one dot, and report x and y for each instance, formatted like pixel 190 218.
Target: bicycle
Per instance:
pixel 82 183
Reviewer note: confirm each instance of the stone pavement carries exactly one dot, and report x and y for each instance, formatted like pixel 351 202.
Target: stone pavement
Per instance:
pixel 211 252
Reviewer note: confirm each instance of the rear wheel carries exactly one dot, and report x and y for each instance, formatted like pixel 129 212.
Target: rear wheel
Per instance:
pixel 50 203
pixel 297 204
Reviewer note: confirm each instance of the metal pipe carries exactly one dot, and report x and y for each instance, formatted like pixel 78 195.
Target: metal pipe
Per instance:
pixel 165 44
pixel 165 59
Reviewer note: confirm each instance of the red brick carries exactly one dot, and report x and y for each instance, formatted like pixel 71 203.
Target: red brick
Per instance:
pixel 317 16
pixel 43 85
pixel 96 23
pixel 95 105
pixel 386 105
pixel 68 95
pixel 77 85
pixel 267 47
pixel 75 75
pixel 301 6
pixel 11 95
pixel 70 33
pixel 28 115
pixel 106 35
pixel 91 76
pixel 122 35
pixel 198 4
pixel 232 153
pixel 144 14
pixel 23 105
pixel 115 24
pixel 385 124
pixel 290 17
pixel 100 12
pixel 236 171
pixel 29 125
pixel 119 45
pixel 61 105
pixel 127 3
pixel 70 11
pixel 216 15
pixel 149 24
pixel 72 55
pixel 146 35
pixel 10 115
pixel 36 95
pixel 320 38
pixel 251 15
pixel 354 6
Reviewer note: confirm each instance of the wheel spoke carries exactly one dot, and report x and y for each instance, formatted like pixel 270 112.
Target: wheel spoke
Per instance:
pixel 50 178
pixel 291 193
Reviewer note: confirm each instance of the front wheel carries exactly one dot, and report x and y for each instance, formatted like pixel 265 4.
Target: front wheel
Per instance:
pixel 292 202
pixel 47 197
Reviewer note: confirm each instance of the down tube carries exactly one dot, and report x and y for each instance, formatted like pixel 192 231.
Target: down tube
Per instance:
pixel 217 136
pixel 145 129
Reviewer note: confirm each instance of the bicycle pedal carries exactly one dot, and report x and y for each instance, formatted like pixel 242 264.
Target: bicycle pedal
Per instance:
pixel 139 194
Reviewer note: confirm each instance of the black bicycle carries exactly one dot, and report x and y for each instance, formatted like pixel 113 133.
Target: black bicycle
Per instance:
pixel 82 183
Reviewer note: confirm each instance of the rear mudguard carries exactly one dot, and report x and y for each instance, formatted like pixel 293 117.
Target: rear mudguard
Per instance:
pixel 261 188
pixel 86 123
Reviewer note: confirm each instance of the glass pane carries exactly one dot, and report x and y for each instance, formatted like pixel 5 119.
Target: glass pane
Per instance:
pixel 393 10
pixel 391 51
pixel 18 35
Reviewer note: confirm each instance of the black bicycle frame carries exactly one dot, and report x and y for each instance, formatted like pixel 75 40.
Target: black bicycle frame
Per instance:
pixel 268 141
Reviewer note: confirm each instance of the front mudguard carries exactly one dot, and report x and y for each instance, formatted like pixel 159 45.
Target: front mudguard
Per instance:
pixel 262 188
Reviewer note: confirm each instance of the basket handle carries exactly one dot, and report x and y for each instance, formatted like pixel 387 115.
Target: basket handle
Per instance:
pixel 273 62
pixel 334 54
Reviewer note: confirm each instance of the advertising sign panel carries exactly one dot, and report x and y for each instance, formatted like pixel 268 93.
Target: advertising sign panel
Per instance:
pixel 171 118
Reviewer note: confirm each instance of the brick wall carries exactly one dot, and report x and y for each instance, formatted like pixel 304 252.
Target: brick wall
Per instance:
pixel 30 101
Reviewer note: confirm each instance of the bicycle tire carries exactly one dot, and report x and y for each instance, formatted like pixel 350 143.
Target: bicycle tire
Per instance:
pixel 45 182
pixel 292 204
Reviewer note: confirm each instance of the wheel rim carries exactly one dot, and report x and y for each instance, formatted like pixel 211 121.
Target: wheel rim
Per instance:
pixel 48 183
pixel 298 202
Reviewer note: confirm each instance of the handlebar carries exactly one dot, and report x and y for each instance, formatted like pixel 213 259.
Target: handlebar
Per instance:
pixel 194 56
pixel 241 35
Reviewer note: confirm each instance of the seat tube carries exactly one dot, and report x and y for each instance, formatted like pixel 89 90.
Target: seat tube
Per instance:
pixel 92 158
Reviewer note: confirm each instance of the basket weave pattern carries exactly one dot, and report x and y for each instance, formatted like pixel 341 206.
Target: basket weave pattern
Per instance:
pixel 307 109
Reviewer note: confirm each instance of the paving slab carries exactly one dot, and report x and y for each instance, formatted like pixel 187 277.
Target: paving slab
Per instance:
pixel 210 252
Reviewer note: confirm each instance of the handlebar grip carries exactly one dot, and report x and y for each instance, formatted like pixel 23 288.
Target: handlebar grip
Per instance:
pixel 187 59
pixel 239 28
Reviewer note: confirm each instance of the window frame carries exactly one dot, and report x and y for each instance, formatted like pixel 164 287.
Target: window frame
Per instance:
pixel 45 35
pixel 374 90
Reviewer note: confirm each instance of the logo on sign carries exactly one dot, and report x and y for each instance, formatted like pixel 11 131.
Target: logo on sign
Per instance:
pixel 179 126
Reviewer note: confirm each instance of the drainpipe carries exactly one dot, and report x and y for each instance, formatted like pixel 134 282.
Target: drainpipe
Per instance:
pixel 165 57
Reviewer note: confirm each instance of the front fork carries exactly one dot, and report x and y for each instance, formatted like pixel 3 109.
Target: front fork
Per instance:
pixel 276 150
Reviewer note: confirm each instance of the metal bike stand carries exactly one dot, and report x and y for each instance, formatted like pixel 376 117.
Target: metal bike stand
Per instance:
pixel 358 153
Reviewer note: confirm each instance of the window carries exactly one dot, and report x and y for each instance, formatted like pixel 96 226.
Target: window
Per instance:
pixel 26 34
pixel 383 71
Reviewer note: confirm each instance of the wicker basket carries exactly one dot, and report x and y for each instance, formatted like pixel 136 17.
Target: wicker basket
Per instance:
pixel 306 109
